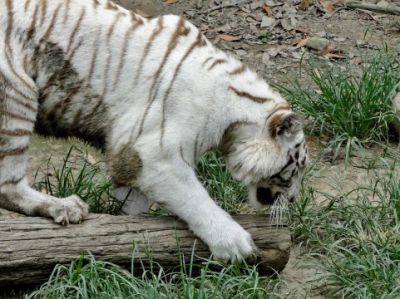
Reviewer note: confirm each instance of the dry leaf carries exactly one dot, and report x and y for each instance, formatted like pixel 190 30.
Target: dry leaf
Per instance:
pixel 327 6
pixel 329 48
pixel 204 27
pixel 228 37
pixel 334 55
pixel 305 4
pixel 302 30
pixel 267 10
pixel 170 2
pixel 330 52
pixel 301 43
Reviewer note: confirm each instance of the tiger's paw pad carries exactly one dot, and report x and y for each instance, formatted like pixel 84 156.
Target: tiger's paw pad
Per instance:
pixel 70 210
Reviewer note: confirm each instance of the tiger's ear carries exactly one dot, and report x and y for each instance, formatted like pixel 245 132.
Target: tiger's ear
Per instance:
pixel 287 124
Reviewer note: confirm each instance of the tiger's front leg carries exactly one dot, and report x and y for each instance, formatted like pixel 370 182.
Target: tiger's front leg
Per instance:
pixel 176 187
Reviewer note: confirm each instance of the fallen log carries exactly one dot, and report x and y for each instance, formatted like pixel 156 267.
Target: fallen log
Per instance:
pixel 30 247
pixel 389 8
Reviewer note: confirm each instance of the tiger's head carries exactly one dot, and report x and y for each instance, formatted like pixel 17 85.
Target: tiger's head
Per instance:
pixel 270 159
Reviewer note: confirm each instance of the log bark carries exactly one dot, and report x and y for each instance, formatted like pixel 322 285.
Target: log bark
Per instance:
pixel 30 247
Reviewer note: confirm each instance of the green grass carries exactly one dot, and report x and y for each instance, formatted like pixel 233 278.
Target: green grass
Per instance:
pixel 351 108
pixel 229 193
pixel 89 181
pixel 264 36
pixel 82 178
pixel 355 237
pixel 91 279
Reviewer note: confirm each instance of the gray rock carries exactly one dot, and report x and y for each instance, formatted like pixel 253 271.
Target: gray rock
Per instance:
pixel 267 22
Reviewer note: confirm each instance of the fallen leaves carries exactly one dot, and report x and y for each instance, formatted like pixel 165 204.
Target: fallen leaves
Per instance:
pixel 228 37
pixel 169 2
pixel 305 4
pixel 326 6
pixel 267 10
pixel 301 43
pixel 330 51
pixel 322 46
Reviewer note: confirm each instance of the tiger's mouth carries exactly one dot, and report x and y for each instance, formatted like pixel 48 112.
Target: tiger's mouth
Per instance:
pixel 265 197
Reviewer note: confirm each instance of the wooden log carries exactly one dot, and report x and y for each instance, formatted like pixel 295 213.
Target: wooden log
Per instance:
pixel 389 9
pixel 30 247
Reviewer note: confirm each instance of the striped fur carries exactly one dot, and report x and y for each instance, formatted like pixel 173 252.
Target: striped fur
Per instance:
pixel 155 95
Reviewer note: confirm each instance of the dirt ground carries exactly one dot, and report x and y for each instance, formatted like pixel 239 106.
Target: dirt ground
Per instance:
pixel 274 47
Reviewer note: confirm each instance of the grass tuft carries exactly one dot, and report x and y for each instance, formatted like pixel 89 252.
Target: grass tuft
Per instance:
pixel 90 182
pixel 356 237
pixel 81 178
pixel 91 279
pixel 351 108
pixel 229 193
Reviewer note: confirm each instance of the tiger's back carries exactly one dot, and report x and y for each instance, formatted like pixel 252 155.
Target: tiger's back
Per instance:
pixel 85 58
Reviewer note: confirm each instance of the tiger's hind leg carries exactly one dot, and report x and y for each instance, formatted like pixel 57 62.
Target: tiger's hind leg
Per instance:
pixel 133 202
pixel 18 110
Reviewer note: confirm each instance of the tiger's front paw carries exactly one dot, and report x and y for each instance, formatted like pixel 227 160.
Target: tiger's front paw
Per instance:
pixel 230 242
pixel 70 210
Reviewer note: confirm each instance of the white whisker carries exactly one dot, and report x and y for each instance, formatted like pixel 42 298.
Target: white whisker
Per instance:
pixel 279 210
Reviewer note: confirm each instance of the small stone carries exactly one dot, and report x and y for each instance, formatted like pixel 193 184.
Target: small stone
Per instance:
pixel 272 52
pixel 317 43
pixel 297 55
pixel 224 28
pixel 268 22
pixel 256 4
pixel 339 39
pixel 285 23
pixel 270 3
pixel 241 52
pixel 382 3
pixel 293 21
pixel 265 58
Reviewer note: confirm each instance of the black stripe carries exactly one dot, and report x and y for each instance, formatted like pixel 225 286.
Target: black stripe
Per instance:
pixel 182 156
pixel 156 31
pixel 76 29
pixel 94 58
pixel 12 181
pixel 10 86
pixel 43 8
pixel 53 20
pixel 15 133
pixel 14 152
pixel 195 150
pixel 66 15
pixel 122 58
pixel 20 102
pixel 26 6
pixel 16 116
pixel 198 43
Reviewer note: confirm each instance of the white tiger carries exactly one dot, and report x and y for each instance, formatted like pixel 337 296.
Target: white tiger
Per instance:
pixel 155 95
